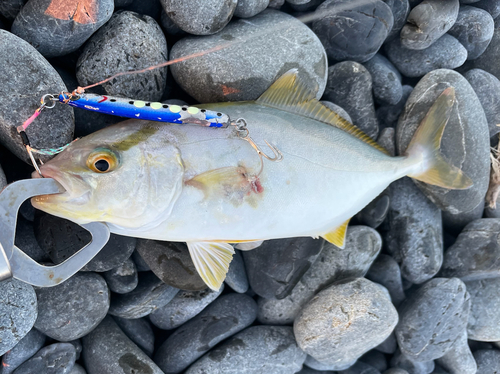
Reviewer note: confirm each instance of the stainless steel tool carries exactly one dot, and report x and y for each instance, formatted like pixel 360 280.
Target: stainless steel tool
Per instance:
pixel 14 262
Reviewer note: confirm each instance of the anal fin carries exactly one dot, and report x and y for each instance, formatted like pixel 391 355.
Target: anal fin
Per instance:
pixel 337 236
pixel 211 260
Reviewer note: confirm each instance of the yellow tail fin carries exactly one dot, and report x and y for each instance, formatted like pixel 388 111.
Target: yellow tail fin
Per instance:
pixel 427 141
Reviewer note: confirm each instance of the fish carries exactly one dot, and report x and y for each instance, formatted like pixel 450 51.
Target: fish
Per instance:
pixel 209 188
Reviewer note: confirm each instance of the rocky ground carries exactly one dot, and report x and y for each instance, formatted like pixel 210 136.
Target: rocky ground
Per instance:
pixel 415 291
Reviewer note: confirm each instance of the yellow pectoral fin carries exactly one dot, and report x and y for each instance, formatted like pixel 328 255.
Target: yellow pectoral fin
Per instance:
pixel 337 236
pixel 211 260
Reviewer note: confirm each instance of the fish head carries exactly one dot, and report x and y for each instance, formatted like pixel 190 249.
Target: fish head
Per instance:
pixel 127 175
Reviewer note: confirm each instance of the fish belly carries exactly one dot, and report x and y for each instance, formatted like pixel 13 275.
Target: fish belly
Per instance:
pixel 326 176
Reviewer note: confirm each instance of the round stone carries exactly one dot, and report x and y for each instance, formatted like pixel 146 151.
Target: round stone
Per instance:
pixel 129 41
pixel 352 30
pixel 18 312
pixel 258 349
pixel 432 319
pixel 345 320
pixel 140 331
pixel 171 262
pixel 465 141
pixel 73 308
pixel 275 267
pixel 444 53
pixel 184 306
pixel 108 350
pixel 387 88
pixel 474 30
pixel 350 86
pixel 203 17
pixel 55 29
pixel 400 10
pixel 385 271
pixel 427 22
pixel 20 96
pixel 123 278
pixel 224 317
pixel 58 358
pixel 250 8
pixel 207 78
pixel 459 358
pixel 149 295
pixel 236 276
pixel 26 348
pixel 488 361
pixel 484 318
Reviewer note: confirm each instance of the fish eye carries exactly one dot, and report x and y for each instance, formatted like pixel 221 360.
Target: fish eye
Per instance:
pixel 102 161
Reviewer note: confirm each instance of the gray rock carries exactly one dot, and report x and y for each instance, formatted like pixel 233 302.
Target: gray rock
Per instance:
pixel 488 361
pixel 123 278
pixel 395 371
pixel 376 359
pixel 387 88
pixel 24 66
pixel 362 247
pixel 415 233
pixel 276 4
pixel 129 41
pixel 18 312
pixel 26 241
pixel 149 295
pixel 250 8
pixel 77 369
pixel 360 368
pixel 455 223
pixel 400 10
pixel 169 26
pixel 60 239
pixel 258 349
pixel 184 306
pixel 491 6
pixel 386 140
pixel 444 53
pixel 55 31
pixel 56 358
pixel 27 347
pixel 388 115
pixel 459 359
pixel 236 276
pixel 350 86
pixel 464 143
pixel 10 8
pixel 432 319
pixel 223 318
pixel 399 360
pixel 427 22
pixel 344 321
pixel 375 213
pixel 312 363
pixel 139 262
pixel 266 58
pixel 476 252
pixel 77 343
pixel 337 109
pixel 474 30
pixel 487 60
pixel 200 17
pixel 108 350
pixel 276 266
pixel 389 345
pixel 3 180
pixel 352 30
pixel 73 308
pixel 487 88
pixel 385 271
pixel 140 331
pixel 171 263
pixel 484 318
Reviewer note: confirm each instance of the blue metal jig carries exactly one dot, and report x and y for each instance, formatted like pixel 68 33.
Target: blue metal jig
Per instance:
pixel 145 110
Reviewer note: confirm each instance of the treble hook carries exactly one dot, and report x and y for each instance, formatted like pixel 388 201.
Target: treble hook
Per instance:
pixel 241 126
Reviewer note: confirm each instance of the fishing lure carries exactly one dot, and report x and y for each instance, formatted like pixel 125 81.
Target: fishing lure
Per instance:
pixel 138 109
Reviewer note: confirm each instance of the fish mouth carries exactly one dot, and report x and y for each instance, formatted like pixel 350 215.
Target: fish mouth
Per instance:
pixel 75 192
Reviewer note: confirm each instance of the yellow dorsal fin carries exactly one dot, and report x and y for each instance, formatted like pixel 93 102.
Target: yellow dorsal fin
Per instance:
pixel 290 94
pixel 337 236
